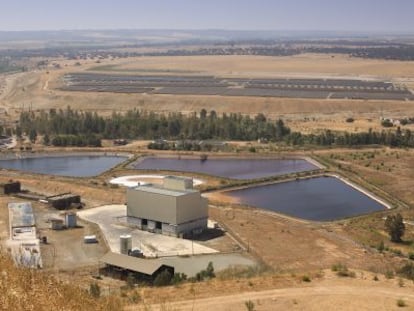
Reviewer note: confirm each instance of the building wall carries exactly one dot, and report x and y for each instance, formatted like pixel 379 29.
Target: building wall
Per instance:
pixel 151 206
pixel 177 183
pixel 185 228
pixel 178 214
pixel 191 207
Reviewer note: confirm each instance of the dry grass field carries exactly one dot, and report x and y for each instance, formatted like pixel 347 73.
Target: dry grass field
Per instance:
pixel 306 65
pixel 39 90
pixel 289 248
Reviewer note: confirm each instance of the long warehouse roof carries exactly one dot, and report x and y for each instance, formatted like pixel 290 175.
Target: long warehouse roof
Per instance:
pixel 145 266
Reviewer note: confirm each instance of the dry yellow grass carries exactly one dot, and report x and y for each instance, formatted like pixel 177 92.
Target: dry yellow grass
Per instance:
pixel 25 289
pixel 266 66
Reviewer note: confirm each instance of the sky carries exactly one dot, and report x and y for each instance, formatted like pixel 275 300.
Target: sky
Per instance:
pixel 324 15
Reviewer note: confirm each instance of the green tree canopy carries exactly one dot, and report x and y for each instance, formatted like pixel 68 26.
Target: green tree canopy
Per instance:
pixel 394 225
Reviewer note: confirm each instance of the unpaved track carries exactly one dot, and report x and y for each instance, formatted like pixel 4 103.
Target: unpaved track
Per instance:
pixel 328 297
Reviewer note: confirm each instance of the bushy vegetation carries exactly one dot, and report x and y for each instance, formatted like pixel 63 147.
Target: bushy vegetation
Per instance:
pixel 163 279
pixel 342 270
pixel 206 274
pixel 407 271
pixel 394 225
pixel 148 125
pixel 71 127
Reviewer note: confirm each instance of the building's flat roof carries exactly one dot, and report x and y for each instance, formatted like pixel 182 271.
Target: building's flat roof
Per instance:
pixel 145 266
pixel 164 191
pixel 21 215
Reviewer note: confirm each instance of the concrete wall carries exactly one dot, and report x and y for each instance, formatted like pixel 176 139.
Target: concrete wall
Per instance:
pixel 151 206
pixel 190 207
pixel 190 226
pixel 177 183
pixel 177 214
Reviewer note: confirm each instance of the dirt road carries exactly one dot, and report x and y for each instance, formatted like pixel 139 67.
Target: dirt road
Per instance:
pixel 321 297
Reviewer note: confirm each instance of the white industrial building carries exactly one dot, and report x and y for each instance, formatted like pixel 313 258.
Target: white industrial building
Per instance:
pixel 174 209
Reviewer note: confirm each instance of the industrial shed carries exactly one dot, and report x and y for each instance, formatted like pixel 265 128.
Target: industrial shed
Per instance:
pixel 64 201
pixel 10 187
pixel 142 269
pixel 174 209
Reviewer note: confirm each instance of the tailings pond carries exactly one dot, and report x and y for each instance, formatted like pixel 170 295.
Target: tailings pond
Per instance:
pixel 228 168
pixel 71 166
pixel 318 199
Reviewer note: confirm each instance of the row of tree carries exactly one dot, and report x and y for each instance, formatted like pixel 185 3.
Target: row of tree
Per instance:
pixel 136 124
pixel 76 128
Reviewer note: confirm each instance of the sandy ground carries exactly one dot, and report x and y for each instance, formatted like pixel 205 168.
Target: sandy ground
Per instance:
pixel 355 296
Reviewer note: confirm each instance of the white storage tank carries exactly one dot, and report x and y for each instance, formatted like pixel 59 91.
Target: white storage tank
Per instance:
pixel 125 244
pixel 70 220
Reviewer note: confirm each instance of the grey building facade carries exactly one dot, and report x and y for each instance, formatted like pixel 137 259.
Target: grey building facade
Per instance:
pixel 174 209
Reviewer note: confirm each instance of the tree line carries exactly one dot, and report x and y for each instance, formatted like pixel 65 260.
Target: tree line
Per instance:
pixel 68 127
pixel 135 124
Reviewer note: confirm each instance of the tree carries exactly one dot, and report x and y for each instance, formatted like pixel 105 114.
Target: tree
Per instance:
pixel 18 132
pixel 395 227
pixel 163 279
pixel 33 135
pixel 210 270
pixel 46 139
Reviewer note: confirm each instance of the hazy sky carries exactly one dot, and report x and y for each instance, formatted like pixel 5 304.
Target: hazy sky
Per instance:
pixel 352 15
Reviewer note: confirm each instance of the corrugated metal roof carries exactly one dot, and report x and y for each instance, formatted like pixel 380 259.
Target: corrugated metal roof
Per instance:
pixel 145 266
pixel 21 214
pixel 163 191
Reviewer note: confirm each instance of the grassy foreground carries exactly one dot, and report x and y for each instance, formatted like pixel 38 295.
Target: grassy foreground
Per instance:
pixel 26 289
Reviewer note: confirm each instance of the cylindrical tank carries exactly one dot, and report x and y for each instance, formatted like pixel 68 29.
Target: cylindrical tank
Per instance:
pixel 70 220
pixel 125 243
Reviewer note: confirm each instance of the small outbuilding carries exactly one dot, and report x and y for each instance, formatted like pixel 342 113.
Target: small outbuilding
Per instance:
pixel 142 269
pixel 64 200
pixel 57 224
pixel 10 187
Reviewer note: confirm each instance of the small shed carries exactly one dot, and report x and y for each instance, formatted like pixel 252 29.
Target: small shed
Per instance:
pixel 10 187
pixel 64 200
pixel 70 220
pixel 56 224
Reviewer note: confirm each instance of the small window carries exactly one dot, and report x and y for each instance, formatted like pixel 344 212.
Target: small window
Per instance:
pixel 158 225
pixel 145 222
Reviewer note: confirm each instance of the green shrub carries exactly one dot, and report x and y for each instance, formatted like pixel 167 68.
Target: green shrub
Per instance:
pixel 401 303
pixel 407 271
pixel 95 290
pixel 163 279
pixel 249 305
pixel 389 274
pixel 342 270
pixel 306 278
pixel 381 247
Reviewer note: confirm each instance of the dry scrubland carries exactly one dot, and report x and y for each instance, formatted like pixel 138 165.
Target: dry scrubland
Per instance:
pixel 289 248
pixel 389 170
pixel 39 89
